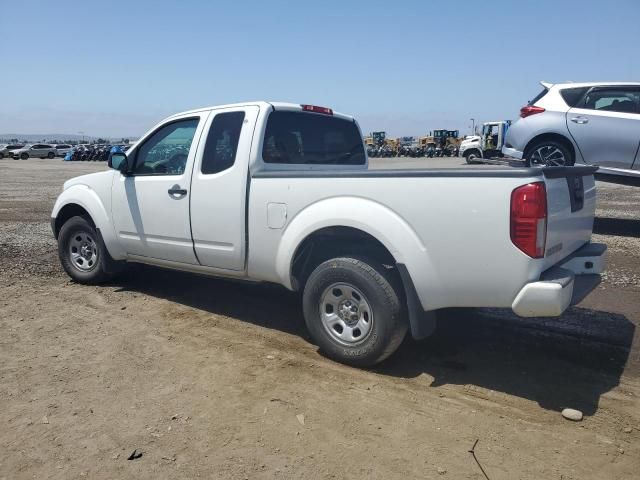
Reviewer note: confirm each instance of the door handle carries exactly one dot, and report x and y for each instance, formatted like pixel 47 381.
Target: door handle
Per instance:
pixel 580 120
pixel 177 191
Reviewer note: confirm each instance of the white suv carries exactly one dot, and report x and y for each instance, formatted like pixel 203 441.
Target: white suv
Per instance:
pixel 592 123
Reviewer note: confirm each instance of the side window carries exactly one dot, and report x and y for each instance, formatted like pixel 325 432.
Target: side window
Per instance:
pixel 222 142
pixel 573 95
pixel 613 100
pixel 166 151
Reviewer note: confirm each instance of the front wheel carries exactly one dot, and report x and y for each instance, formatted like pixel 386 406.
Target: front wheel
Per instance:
pixel 24 156
pixel 549 153
pixel 471 157
pixel 51 155
pixel 353 310
pixel 83 254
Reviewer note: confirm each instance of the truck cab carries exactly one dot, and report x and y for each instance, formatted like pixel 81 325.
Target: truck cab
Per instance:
pixel 488 144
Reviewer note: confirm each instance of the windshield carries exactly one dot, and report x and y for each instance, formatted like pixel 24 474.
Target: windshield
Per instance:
pixel 309 138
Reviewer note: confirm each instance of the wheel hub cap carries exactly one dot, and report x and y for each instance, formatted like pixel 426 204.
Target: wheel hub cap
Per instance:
pixel 346 313
pixel 549 155
pixel 349 312
pixel 83 251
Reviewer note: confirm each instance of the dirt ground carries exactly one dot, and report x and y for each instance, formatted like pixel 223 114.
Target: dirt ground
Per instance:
pixel 216 379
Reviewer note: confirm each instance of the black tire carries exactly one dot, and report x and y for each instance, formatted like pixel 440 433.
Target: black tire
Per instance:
pixel 1 155
pixel 382 293
pixel 532 158
pixel 470 157
pixel 51 155
pixel 103 267
pixel 24 156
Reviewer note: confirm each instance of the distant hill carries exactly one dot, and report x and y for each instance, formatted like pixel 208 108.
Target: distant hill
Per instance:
pixel 52 137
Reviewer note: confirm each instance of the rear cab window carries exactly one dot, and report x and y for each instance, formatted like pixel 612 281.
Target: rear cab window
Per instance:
pixel 305 138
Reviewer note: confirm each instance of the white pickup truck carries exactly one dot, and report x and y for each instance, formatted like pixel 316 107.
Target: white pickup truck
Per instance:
pixel 282 193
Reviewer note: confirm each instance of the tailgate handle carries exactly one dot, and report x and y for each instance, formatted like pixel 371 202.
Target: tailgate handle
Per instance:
pixel 580 120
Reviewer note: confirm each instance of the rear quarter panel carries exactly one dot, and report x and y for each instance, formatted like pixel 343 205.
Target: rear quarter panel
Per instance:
pixel 451 233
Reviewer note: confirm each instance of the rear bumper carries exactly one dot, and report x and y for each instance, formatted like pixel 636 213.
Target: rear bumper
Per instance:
pixel 512 152
pixel 564 284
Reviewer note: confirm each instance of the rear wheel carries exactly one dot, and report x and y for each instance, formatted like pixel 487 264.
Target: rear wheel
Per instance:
pixel 50 155
pixel 353 310
pixel 549 153
pixel 83 254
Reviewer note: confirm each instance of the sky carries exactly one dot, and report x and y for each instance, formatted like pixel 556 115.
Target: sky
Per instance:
pixel 114 68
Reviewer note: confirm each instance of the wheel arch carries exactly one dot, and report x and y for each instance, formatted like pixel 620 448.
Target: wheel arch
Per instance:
pixel 82 200
pixel 66 212
pixel 552 136
pixel 332 242
pixel 475 150
pixel 363 224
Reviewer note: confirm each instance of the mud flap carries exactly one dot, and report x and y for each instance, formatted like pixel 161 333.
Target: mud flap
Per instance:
pixel 422 323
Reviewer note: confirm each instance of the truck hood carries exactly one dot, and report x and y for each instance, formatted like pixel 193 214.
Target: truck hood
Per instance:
pixel 91 180
pixel 467 141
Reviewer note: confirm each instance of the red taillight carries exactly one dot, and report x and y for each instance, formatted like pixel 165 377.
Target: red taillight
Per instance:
pixel 529 218
pixel 529 110
pixel 316 109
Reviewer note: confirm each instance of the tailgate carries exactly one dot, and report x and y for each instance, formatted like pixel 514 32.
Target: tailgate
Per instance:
pixel 571 206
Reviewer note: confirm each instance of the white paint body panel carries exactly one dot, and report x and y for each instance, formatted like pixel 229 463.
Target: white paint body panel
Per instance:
pixel 218 202
pixel 148 221
pixel 458 251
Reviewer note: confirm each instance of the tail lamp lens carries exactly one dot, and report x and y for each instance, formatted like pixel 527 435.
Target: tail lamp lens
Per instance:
pixel 529 218
pixel 529 110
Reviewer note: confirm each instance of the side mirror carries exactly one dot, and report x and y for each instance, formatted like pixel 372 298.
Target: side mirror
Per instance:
pixel 118 161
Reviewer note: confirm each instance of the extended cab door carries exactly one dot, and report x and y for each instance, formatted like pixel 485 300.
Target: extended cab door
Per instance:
pixel 219 188
pixel 150 206
pixel 606 126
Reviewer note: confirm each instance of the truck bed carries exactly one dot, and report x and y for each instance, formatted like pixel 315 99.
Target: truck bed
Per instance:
pixel 449 226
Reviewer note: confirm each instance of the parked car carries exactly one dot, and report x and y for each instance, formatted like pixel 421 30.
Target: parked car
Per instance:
pixel 6 149
pixel 62 149
pixel 580 123
pixel 373 252
pixel 39 150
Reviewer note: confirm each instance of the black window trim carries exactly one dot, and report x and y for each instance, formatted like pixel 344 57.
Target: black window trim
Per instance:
pixel 134 158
